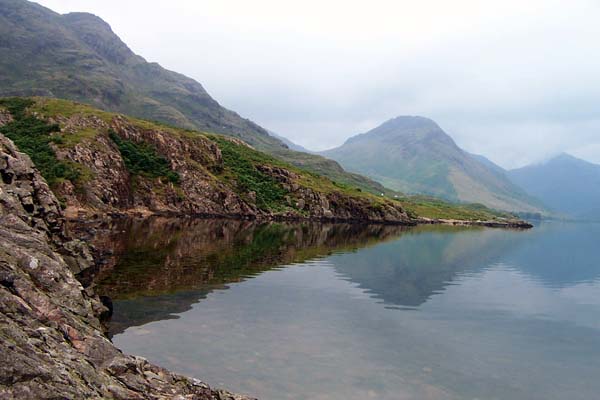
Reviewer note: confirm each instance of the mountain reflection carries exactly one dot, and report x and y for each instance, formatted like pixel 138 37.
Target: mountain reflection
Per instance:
pixel 159 267
pixel 407 272
pixel 558 254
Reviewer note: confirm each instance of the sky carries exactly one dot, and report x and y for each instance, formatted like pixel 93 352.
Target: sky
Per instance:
pixel 516 81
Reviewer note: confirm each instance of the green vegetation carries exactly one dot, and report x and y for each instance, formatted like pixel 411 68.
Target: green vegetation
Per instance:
pixel 50 107
pixel 240 166
pixel 320 165
pixel 142 159
pixel 33 137
pixel 241 163
pixel 431 207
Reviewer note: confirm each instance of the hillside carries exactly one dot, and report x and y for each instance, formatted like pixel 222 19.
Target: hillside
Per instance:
pixel 101 162
pixel 568 185
pixel 414 155
pixel 77 56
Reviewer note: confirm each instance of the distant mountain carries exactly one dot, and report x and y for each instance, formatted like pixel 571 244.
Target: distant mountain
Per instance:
pixel 488 163
pixel 414 155
pixel 291 145
pixel 77 57
pixel 566 184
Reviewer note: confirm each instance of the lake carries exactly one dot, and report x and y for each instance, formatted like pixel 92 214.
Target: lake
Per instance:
pixel 323 311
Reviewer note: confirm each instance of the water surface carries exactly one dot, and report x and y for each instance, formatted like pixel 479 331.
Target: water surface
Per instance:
pixel 312 311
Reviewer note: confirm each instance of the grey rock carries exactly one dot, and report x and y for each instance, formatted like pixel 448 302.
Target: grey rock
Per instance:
pixel 52 343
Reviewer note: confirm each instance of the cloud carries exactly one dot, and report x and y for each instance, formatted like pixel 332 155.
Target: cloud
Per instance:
pixel 516 81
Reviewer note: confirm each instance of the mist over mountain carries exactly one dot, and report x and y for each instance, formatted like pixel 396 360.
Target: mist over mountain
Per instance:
pixel 414 155
pixel 568 185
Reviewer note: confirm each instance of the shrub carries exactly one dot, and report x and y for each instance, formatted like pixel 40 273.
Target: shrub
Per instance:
pixel 33 137
pixel 142 159
pixel 238 160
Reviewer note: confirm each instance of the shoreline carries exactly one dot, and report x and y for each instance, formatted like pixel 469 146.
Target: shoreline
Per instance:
pixel 85 215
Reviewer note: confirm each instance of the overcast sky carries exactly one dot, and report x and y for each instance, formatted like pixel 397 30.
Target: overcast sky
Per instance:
pixel 516 81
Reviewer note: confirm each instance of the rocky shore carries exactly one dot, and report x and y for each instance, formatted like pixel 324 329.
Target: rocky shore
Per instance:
pixel 507 223
pixel 52 343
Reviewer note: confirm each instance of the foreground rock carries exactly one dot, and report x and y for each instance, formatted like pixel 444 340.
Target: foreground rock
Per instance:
pixel 52 343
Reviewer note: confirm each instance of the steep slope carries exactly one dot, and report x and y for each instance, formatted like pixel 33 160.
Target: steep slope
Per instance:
pixel 488 163
pixel 568 185
pixel 77 57
pixel 414 155
pixel 101 162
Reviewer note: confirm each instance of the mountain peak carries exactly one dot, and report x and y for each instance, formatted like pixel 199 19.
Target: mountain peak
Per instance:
pixel 411 121
pixel 405 127
pixel 97 33
pixel 87 18
pixel 412 154
pixel 569 185
pixel 566 159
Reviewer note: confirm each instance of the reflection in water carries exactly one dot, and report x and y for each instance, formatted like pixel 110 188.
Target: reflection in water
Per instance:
pixel 494 314
pixel 407 272
pixel 174 263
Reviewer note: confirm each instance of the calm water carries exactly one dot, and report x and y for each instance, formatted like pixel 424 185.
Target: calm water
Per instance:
pixel 345 312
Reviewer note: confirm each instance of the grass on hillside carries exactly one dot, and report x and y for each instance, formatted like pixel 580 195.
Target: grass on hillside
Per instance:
pixel 431 207
pixel 322 166
pixel 241 161
pixel 33 137
pixel 240 166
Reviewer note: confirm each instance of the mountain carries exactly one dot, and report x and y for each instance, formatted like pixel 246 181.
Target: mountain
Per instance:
pixel 291 145
pixel 414 155
pixel 568 185
pixel 488 163
pixel 78 57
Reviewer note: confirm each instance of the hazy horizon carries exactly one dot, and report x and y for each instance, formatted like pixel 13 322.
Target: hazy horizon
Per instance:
pixel 515 82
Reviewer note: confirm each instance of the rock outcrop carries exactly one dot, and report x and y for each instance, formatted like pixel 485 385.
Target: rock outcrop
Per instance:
pixel 52 343
pixel 112 188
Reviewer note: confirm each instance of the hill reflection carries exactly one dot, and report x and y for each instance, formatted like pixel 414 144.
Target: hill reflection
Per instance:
pixel 159 267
